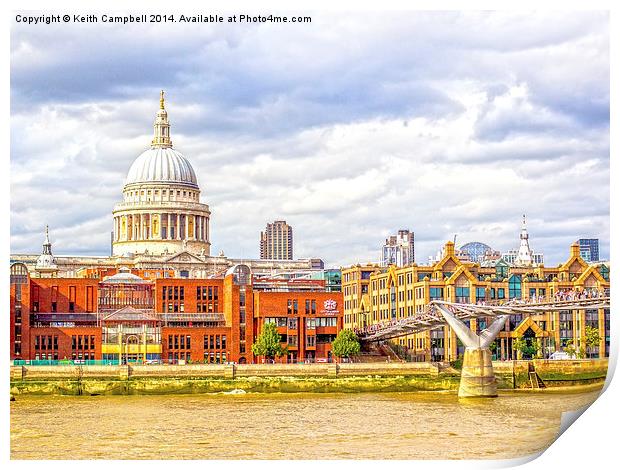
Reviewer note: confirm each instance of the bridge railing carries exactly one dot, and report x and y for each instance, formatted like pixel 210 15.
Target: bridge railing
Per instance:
pixel 430 318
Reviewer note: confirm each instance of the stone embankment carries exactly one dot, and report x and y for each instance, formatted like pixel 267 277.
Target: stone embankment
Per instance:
pixel 368 377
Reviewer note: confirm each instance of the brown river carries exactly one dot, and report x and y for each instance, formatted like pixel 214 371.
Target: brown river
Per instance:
pixel 413 425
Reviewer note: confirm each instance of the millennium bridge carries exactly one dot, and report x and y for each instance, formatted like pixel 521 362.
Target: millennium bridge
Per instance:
pixel 477 376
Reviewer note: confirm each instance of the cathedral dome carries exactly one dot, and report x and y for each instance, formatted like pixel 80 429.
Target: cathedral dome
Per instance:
pixel 162 165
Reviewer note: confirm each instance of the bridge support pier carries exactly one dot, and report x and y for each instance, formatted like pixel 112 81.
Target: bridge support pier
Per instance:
pixel 477 376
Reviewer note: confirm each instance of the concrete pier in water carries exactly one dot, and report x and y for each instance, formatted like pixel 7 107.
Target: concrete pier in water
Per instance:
pixel 477 375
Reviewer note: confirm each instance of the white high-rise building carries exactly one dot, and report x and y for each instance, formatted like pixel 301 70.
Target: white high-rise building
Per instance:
pixel 398 249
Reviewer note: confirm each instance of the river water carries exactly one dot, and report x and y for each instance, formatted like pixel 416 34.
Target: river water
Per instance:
pixel 413 425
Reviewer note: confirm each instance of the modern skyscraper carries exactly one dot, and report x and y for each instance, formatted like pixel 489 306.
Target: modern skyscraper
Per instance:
pixel 588 249
pixel 276 242
pixel 398 249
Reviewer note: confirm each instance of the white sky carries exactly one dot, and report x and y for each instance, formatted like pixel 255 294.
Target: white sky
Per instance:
pixel 349 128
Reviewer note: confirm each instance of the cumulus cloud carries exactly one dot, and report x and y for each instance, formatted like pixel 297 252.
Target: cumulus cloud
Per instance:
pixel 348 128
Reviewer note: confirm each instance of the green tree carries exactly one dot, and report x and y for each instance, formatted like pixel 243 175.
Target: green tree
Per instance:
pixel 520 345
pixel 538 352
pixel 581 352
pixel 346 344
pixel 593 338
pixel 268 342
pixel 569 349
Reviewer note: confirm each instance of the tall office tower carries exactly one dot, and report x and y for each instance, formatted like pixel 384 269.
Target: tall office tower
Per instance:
pixel 276 242
pixel 588 249
pixel 398 249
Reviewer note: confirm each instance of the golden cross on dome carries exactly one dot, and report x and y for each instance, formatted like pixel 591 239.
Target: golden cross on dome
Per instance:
pixel 161 100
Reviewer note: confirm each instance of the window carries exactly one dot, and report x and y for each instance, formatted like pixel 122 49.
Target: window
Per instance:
pixel 462 291
pixel 462 294
pixel 604 271
pixel 480 293
pixel 326 321
pixel 436 293
pixel 514 287
pixel 501 293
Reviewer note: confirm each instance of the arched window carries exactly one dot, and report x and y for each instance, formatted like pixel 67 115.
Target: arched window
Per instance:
pixel 514 287
pixel 19 273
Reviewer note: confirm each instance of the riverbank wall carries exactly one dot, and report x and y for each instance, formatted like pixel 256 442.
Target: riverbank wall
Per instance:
pixel 287 378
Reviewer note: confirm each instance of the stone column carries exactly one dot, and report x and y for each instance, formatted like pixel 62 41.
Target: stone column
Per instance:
pixel 178 229
pixel 168 227
pixel 119 332
pixel 144 328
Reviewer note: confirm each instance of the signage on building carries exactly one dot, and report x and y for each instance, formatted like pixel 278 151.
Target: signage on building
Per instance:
pixel 330 307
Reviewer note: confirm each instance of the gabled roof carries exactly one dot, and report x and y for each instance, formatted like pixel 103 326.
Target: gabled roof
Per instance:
pixel 184 257
pixel 575 257
pixel 445 259
pixel 129 313
pixel 461 270
pixel 591 271
pixel 365 303
pixel 528 323
pixel 391 280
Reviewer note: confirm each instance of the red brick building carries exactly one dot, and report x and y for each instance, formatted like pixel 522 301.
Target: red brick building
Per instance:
pixel 124 317
pixel 307 321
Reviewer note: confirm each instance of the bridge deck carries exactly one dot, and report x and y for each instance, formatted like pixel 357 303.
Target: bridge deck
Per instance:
pixel 431 318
